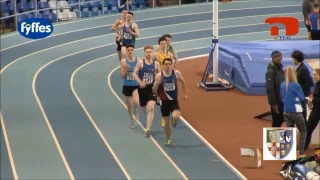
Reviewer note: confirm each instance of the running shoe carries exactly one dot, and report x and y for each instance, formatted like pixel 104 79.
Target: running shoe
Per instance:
pixel 163 122
pixel 174 123
pixel 168 142
pixel 147 133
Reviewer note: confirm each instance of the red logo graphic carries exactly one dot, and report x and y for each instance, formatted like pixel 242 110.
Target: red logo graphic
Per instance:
pixel 291 25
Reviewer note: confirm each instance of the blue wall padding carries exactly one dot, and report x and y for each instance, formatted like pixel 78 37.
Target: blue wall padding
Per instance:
pixel 244 64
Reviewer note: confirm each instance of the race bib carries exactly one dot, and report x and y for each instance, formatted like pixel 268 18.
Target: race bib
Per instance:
pixel 169 86
pixel 130 77
pixel 148 78
pixel 127 36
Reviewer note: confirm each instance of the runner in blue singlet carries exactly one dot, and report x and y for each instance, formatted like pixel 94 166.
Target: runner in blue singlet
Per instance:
pixel 130 32
pixel 130 85
pixel 144 73
pixel 166 87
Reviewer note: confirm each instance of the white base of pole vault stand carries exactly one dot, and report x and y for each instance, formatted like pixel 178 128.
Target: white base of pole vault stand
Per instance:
pixel 211 86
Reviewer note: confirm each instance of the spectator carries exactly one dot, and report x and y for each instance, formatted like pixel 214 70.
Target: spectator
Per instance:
pixel 294 100
pixel 314 105
pixel 125 4
pixel 303 76
pixel 306 10
pixel 274 78
pixel 313 20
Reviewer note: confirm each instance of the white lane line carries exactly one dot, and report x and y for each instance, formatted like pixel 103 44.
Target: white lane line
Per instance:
pixel 6 139
pixel 147 10
pixel 160 17
pixel 109 34
pixel 16 60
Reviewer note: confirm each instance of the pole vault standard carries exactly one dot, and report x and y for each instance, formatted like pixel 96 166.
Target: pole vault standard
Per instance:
pixel 215 32
pixel 213 62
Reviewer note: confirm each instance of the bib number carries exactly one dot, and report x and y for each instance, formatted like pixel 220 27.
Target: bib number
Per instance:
pixel 130 77
pixel 127 36
pixel 169 87
pixel 148 81
pixel 148 78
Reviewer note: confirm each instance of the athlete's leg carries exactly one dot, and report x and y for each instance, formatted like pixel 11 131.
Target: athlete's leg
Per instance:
pixel 175 113
pixel 135 101
pixel 175 116
pixel 150 116
pixel 167 129
pixel 165 111
pixel 123 51
pixel 130 110
pixel 119 50
pixel 127 91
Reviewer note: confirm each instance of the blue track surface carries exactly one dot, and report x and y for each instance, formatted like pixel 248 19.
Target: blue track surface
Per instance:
pixel 62 106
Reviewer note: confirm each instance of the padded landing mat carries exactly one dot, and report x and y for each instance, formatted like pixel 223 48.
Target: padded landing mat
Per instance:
pixel 244 64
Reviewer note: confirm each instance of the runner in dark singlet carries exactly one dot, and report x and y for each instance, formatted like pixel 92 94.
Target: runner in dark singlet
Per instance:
pixel 130 32
pixel 166 87
pixel 116 27
pixel 144 73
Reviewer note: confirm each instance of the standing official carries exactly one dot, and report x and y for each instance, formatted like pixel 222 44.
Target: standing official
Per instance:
pixel 314 105
pixel 303 76
pixel 274 78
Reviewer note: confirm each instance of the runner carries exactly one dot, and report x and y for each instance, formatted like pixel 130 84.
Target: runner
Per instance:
pixel 116 27
pixel 170 48
pixel 130 32
pixel 147 69
pixel 159 56
pixel 130 85
pixel 166 87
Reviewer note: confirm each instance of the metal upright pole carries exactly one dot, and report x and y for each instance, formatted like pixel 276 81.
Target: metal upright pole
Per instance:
pixel 57 11
pixel 79 5
pixel 216 34
pixel 102 7
pixel 15 13
pixel 36 7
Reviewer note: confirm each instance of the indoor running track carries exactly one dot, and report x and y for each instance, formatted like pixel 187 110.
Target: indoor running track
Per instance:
pixel 62 107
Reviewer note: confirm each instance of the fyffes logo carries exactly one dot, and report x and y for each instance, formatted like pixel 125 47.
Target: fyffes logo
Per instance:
pixel 35 28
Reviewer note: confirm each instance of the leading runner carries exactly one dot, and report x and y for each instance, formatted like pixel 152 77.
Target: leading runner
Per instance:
pixel 130 32
pixel 116 27
pixel 144 73
pixel 166 87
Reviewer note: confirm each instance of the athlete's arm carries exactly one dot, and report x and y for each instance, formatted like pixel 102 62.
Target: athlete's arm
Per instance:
pixel 183 81
pixel 156 84
pixel 136 30
pixel 123 68
pixel 175 56
pixel 155 56
pixel 156 49
pixel 115 25
pixel 172 57
pixel 136 70
pixel 157 67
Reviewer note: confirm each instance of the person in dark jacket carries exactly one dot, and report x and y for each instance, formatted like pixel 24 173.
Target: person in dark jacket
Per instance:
pixel 314 104
pixel 274 78
pixel 303 76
